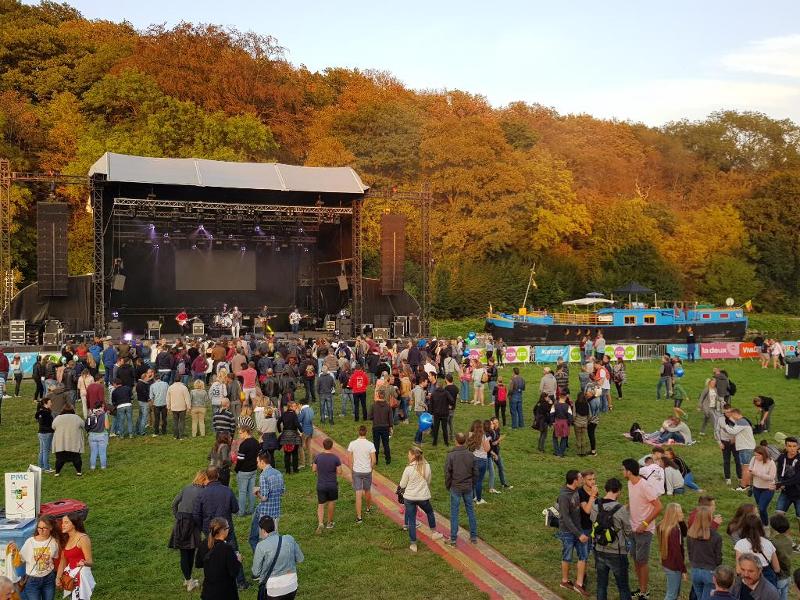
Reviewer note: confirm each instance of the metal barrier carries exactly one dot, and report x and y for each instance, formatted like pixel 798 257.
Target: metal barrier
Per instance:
pixel 650 351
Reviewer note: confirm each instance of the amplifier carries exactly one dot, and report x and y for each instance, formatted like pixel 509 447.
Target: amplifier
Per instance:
pixel 17 333
pixel 344 327
pixel 154 324
pixel 330 325
pixel 52 326
pixel 399 328
pixel 198 328
pixel 380 333
pixel 50 339
pixel 414 326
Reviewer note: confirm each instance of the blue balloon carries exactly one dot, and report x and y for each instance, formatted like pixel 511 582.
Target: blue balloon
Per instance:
pixel 466 353
pixel 679 372
pixel 421 343
pixel 472 335
pixel 425 421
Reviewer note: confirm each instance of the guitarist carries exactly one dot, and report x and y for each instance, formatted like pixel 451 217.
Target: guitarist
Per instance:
pixel 265 318
pixel 294 320
pixel 182 318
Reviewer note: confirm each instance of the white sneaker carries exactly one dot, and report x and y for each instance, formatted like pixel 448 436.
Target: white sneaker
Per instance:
pixel 436 535
pixel 494 491
pixel 413 547
pixel 481 501
pixel 727 482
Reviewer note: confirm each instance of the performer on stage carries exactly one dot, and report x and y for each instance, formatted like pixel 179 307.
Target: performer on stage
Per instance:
pixel 265 318
pixel 182 318
pixel 236 322
pixel 294 320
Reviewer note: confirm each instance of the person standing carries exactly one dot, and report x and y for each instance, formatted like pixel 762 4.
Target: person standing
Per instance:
pixel 381 415
pixel 548 384
pixel 783 548
pixel 705 551
pixel 44 417
pixel 751 582
pixel 275 563
pixel 670 540
pixel 619 376
pixel 328 468
pixel 363 457
pixel 479 444
pixel 158 396
pixel 709 404
pixel 185 535
pixel 452 390
pixel 270 491
pixel 143 398
pixel 326 386
pixel 68 440
pixel 691 347
pixel 665 377
pixel 122 399
pixel 611 552
pixel 737 426
pixel 644 506
pixel 290 438
pixel 246 456
pixel 763 472
pixel 787 471
pixel 236 322
pixel 358 383
pixel 40 553
pixel 220 562
pixel 573 539
pixel 440 403
pixel 305 418
pixel 516 388
pixel 294 321
pixel 200 402
pixel 179 402
pixel 541 418
pixel 97 425
pixel 460 474
pixel 415 483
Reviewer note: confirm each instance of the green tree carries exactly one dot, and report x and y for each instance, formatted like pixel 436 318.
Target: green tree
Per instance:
pixel 730 277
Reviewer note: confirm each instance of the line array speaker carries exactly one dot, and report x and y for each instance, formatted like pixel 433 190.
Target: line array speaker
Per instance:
pixel 52 219
pixel 393 254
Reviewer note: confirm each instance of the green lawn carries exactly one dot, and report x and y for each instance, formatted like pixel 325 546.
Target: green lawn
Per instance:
pixel 129 504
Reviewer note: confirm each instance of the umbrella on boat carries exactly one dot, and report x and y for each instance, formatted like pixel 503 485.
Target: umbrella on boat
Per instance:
pixel 588 301
pixel 632 288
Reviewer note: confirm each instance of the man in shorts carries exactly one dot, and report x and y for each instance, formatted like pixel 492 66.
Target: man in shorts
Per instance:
pixel 644 506
pixel 328 467
pixel 573 539
pixel 362 460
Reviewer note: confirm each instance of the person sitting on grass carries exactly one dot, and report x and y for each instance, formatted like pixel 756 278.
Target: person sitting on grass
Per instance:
pixel 673 430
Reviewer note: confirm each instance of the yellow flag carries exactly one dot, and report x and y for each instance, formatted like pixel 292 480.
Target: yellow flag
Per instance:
pixel 748 306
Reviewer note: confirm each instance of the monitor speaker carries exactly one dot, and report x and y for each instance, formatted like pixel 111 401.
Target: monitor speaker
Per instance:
pixel 52 219
pixel 198 328
pixel 380 333
pixel 344 327
pixel 399 328
pixel 17 336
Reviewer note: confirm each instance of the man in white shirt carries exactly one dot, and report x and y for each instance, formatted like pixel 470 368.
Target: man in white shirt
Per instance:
pixel 362 459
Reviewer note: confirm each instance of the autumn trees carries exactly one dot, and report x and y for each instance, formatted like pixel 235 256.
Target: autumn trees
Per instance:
pixel 699 210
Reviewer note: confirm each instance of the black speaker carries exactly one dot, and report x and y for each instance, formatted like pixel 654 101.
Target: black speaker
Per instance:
pixel 399 328
pixel 382 321
pixel 114 330
pixel 344 327
pixel 393 254
pixel 414 326
pixel 52 219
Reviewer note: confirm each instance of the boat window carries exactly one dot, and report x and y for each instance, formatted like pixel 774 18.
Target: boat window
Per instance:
pixel 723 315
pixel 706 316
pixel 630 320
pixel 649 319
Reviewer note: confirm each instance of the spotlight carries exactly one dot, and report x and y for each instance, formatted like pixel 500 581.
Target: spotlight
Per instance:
pixel 202 227
pixel 194 246
pixel 166 235
pixel 114 314
pixel 258 229
pixel 301 230
pixel 243 248
pixel 155 246
pixel 151 226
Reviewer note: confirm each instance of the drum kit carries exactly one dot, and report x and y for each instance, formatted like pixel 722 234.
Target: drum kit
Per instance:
pixel 223 320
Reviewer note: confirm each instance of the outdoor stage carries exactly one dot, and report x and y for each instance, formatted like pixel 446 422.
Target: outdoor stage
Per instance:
pixel 195 235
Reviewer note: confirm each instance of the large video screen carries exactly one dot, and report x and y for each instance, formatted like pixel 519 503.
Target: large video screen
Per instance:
pixel 215 270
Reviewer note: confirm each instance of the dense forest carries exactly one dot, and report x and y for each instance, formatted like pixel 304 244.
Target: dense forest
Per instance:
pixel 697 210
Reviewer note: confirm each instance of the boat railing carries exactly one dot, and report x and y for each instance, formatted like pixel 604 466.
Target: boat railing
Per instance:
pixel 575 318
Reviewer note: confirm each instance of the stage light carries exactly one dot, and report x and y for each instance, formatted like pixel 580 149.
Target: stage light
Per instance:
pixel 114 314
pixel 128 337
pixel 155 246
pixel 166 235
pixel 194 246
pixel 151 226
pixel 243 248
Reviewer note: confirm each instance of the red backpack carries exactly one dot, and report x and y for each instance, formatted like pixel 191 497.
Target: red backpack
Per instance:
pixel 502 394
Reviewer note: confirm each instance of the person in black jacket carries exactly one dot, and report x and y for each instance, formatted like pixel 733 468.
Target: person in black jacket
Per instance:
pixel 440 403
pixel 220 563
pixel 38 378
pixel 45 419
pixel 787 477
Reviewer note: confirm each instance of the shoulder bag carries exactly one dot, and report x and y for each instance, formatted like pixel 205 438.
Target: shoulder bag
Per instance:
pixel 263 583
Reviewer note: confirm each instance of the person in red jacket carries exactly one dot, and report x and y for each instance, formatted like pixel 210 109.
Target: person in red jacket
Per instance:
pixel 358 383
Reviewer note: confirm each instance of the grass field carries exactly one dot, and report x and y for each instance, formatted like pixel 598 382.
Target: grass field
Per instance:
pixel 130 517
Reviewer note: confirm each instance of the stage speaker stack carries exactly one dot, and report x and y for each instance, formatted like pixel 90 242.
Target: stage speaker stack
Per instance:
pixel 153 330
pixel 414 326
pixel 114 330
pixel 399 327
pixel 393 254
pixel 17 333
pixel 344 327
pixel 52 219
pixel 198 328
pixel 52 333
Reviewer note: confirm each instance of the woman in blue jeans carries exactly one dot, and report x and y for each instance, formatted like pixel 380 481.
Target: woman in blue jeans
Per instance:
pixel 415 482
pixel 705 552
pixel 478 443
pixel 45 419
pixel 97 425
pixel 762 473
pixel 671 532
pixel 40 554
pixel 686 472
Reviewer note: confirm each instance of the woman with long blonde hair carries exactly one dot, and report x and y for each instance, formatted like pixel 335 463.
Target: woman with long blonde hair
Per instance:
pixel 415 484
pixel 671 532
pixel 705 552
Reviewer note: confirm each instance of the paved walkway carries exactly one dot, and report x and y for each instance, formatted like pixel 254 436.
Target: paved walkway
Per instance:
pixel 480 563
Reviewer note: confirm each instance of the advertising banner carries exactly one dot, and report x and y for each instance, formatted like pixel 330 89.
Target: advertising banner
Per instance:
pixel 748 350
pixel 28 359
pixel 680 350
pixel 575 354
pixel 20 495
pixel 623 351
pixel 718 350
pixel 550 354
pixel 517 354
pixel 789 347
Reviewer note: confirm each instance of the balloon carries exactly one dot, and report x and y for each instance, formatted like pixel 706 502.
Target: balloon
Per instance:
pixel 472 342
pixel 679 372
pixel 471 335
pixel 425 421
pixel 422 343
pixel 466 353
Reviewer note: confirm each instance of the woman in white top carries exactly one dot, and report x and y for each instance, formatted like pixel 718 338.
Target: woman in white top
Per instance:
pixel 84 381
pixel 478 371
pixel 673 480
pixel 753 540
pixel 218 391
pixel 415 483
pixel 15 373
pixel 762 471
pixel 40 555
pixel 478 442
pixel 777 354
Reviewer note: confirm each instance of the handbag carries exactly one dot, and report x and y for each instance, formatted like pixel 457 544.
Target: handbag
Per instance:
pixel 69 582
pixel 400 491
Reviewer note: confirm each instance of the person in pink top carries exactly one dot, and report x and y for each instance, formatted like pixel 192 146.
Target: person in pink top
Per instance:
pixel 249 377
pixel 644 506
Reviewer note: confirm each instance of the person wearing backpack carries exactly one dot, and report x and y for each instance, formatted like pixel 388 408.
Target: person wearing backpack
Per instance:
pixel 97 425
pixel 500 393
pixel 611 529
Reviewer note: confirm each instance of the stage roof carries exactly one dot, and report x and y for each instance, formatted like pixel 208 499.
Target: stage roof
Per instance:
pixel 232 175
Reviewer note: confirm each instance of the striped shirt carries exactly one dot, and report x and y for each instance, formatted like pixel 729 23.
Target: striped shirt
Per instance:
pixel 224 421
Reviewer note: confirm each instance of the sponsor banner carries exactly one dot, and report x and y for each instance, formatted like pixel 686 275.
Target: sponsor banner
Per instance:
pixel 718 350
pixel 478 354
pixel 789 347
pixel 624 351
pixel 574 354
pixel 20 495
pixel 28 359
pixel 680 350
pixel 550 354
pixel 748 350
pixel 517 354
